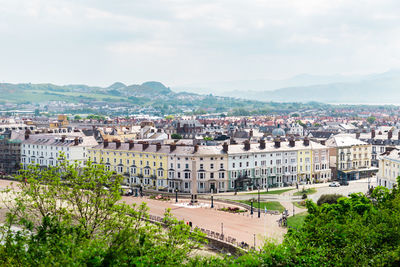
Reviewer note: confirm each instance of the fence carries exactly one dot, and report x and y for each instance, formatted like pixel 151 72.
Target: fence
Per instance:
pixel 224 241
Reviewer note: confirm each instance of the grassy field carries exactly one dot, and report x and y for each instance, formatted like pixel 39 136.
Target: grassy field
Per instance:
pixel 307 191
pixel 297 220
pixel 270 205
pixel 298 204
pixel 274 192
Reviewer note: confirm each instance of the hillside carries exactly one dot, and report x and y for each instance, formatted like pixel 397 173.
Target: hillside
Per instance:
pixel 153 96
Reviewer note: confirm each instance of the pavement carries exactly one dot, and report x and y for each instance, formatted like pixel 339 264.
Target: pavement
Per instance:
pixel 241 226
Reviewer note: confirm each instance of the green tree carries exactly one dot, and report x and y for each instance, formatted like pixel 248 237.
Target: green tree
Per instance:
pixel 176 136
pixel 73 215
pixel 77 117
pixel 371 119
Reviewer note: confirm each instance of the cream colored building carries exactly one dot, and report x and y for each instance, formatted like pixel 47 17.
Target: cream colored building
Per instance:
pixel 350 158
pixel 389 168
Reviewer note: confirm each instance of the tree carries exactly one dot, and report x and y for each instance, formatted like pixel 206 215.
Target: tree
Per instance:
pixel 176 136
pixel 328 198
pixel 77 117
pixel 73 215
pixel 371 119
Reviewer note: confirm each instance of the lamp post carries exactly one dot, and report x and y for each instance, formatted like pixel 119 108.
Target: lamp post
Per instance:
pixel 222 229
pixel 212 198
pixel 259 211
pixel 176 195
pixel 251 210
pixel 293 209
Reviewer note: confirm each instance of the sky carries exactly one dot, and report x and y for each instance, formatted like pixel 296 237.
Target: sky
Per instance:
pixel 178 42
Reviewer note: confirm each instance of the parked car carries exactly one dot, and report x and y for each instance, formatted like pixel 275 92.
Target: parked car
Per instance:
pixel 334 184
pixel 344 182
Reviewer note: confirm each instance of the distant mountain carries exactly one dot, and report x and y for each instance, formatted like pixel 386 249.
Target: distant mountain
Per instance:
pixel 383 88
pixel 234 88
pixel 373 89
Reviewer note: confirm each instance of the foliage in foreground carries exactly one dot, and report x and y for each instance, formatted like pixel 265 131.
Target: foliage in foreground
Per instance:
pixel 68 215
pixel 73 216
pixel 356 231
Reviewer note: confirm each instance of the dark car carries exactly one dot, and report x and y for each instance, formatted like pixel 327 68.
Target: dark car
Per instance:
pixel 344 182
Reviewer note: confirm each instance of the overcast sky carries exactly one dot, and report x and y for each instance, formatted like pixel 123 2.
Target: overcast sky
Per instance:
pixel 179 42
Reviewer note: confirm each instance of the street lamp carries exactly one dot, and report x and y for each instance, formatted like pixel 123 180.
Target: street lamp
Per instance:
pixel 176 195
pixel 293 209
pixel 259 211
pixel 212 198
pixel 222 229
pixel 251 210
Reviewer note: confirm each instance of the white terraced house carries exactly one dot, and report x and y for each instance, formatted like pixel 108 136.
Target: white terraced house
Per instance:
pixel 45 149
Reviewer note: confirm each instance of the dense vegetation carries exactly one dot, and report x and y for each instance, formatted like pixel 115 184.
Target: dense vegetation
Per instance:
pixel 72 216
pixel 66 217
pixel 356 231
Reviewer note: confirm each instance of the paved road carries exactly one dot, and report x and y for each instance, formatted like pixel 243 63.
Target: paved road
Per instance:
pixel 353 187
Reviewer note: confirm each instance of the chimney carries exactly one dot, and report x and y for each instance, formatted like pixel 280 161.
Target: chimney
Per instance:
pixel 105 143
pixel 306 141
pixel 172 147
pixel 357 135
pixel 76 141
pixel 277 143
pixel 247 145
pixel 292 142
pixel 28 132
pixel 262 144
pixel 118 143
pixel 158 146
pixel 131 144
pixel 390 134
pixel 196 148
pixel 63 138
pixel 145 145
pixel 373 133
pixel 225 147
pixel 251 133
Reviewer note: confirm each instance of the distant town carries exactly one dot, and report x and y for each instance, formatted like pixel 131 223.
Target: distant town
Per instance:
pixel 231 153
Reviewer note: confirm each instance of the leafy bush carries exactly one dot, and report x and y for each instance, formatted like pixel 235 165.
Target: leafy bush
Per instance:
pixel 328 198
pixel 304 196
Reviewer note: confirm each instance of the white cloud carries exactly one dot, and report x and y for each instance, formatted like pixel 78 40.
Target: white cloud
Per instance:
pixel 184 41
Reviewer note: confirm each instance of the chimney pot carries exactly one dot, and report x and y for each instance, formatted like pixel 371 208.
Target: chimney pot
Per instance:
pixel 247 145
pixel 225 147
pixel 105 143
pixel 277 143
pixel 172 147
pixel 306 141
pixel 131 144
pixel 262 144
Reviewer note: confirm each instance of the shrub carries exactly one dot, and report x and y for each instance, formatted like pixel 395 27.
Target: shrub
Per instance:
pixel 304 196
pixel 328 198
